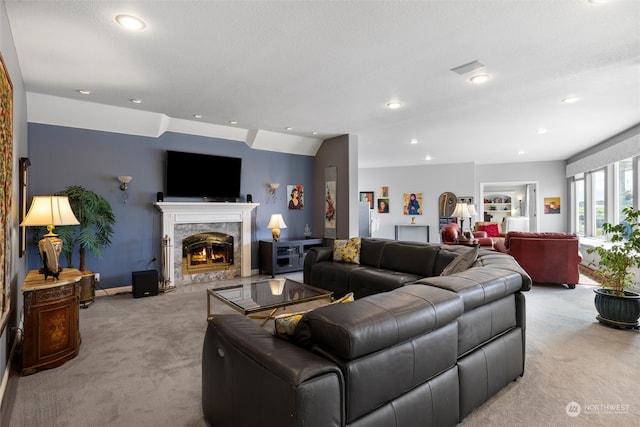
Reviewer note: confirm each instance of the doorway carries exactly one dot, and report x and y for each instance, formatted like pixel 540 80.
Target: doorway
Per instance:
pixel 499 200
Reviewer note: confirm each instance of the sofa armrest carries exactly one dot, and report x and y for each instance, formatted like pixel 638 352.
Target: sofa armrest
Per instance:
pixel 315 254
pixel 239 365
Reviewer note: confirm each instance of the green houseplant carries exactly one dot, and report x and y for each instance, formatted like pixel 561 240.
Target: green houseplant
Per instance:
pixel 93 234
pixel 617 305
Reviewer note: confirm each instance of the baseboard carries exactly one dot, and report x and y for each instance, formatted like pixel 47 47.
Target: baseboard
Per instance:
pixel 112 291
pixel 9 383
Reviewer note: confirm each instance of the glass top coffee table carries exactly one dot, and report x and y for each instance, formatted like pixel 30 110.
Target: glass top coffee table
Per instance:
pixel 273 294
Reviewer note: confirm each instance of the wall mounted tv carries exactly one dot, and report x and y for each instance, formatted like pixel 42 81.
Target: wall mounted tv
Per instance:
pixel 203 176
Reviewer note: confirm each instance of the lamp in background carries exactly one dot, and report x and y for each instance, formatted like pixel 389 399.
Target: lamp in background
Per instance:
pixel 275 224
pixel 472 214
pixel 50 211
pixel 461 211
pixel 124 181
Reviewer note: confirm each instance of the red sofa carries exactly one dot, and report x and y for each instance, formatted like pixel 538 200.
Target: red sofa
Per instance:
pixel 449 236
pixel 546 257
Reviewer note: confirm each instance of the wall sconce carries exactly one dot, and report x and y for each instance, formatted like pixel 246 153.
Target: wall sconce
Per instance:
pixel 520 203
pixel 275 224
pixel 271 189
pixel 124 180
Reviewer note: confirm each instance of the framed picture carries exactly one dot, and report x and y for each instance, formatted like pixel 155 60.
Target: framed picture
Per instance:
pixel 383 205
pixel 330 208
pixel 296 196
pixel 6 175
pixel 552 205
pixel 367 196
pixel 412 203
pixel 466 199
pixel 384 192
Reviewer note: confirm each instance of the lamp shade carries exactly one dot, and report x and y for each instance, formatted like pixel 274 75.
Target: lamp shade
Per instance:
pixel 276 221
pixel 275 224
pixel 472 211
pixel 461 211
pixel 50 210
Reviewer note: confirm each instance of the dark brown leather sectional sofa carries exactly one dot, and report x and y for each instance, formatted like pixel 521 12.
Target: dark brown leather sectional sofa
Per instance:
pixel 414 349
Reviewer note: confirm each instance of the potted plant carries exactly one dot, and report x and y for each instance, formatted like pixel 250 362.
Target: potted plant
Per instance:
pixel 616 305
pixel 94 233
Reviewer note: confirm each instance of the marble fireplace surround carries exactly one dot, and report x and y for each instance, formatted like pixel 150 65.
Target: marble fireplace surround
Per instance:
pixel 176 213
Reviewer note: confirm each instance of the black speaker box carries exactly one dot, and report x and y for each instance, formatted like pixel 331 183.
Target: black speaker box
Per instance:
pixel 144 283
pixel 159 196
pixel 249 198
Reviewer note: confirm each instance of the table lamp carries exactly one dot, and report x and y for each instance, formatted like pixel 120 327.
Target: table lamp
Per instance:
pixel 50 211
pixel 461 211
pixel 275 224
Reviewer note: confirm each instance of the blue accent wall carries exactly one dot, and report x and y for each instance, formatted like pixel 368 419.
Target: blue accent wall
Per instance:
pixel 63 156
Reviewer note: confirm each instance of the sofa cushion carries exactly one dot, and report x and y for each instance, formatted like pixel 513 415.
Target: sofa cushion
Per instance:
pixel 368 281
pixel 371 251
pixel 539 235
pixel 332 276
pixel 410 257
pixel 381 320
pixel 347 250
pixel 491 229
pixel 462 262
pixel 286 325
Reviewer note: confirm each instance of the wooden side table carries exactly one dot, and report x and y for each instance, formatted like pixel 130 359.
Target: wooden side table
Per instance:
pixel 51 320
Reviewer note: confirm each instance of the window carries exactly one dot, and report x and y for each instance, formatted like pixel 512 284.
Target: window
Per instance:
pixel 579 205
pixel 624 186
pixel 598 185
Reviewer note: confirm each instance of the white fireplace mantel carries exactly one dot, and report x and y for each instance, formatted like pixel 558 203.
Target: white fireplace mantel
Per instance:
pixel 208 212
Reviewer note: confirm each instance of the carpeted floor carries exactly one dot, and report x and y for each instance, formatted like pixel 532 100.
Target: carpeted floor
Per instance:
pixel 139 365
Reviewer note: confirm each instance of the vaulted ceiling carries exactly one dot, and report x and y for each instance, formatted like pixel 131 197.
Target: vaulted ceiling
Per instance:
pixel 327 68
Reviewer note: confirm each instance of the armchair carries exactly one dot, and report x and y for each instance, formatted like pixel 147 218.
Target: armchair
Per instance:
pixel 450 232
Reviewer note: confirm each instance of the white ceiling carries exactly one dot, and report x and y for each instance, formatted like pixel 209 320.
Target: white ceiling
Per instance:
pixel 332 66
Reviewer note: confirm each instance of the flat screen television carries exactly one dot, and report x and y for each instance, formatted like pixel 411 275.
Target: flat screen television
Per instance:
pixel 203 176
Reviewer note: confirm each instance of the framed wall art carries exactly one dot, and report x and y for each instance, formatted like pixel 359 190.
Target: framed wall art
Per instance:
pixel 412 203
pixel 367 196
pixel 6 175
pixel 296 196
pixel 330 208
pixel 552 205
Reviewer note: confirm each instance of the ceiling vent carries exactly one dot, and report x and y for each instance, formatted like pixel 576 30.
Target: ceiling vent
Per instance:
pixel 468 68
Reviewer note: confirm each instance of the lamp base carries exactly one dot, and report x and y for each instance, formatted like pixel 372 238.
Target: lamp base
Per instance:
pixel 50 248
pixel 276 234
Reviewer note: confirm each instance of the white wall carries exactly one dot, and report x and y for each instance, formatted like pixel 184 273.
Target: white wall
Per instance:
pixel 431 181
pixel 463 180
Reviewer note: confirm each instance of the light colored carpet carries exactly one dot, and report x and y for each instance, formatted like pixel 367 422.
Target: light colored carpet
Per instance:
pixel 139 365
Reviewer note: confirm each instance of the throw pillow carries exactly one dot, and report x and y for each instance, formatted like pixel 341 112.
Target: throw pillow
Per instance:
pixel 461 263
pixel 285 325
pixel 491 229
pixel 347 250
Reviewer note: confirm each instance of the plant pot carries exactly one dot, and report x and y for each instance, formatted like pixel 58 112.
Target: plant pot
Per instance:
pixel 620 311
pixel 87 289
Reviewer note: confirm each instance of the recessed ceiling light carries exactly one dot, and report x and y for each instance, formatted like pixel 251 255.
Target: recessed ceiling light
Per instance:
pixel 136 101
pixel 428 157
pixel 570 99
pixel 521 152
pixel 233 122
pixel 540 131
pixel 84 91
pixel 289 128
pixel 130 22
pixel 413 141
pixel 314 133
pixel 197 116
pixel 479 78
pixel 394 104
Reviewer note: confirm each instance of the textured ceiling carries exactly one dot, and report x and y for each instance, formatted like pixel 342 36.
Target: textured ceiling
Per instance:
pixel 331 67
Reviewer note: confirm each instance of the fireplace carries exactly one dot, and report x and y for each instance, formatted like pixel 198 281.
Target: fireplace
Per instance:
pixel 180 220
pixel 204 252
